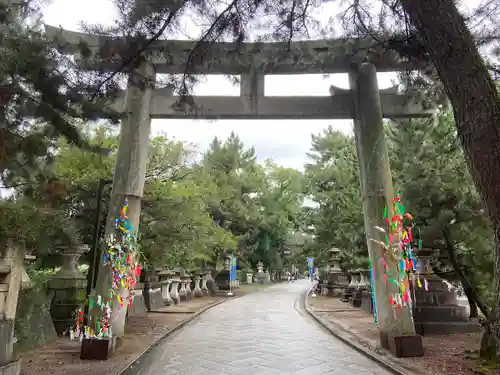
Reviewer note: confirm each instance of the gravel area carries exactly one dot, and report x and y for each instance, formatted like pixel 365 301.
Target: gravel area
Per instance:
pixel 444 354
pixel 63 356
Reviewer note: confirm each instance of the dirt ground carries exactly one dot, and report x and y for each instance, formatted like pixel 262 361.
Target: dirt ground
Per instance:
pixel 444 354
pixel 63 356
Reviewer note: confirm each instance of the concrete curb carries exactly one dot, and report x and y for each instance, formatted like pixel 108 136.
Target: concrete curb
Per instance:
pixel 356 342
pixel 175 328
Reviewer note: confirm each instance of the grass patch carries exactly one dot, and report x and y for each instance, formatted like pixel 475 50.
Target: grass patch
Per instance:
pixel 482 367
pixel 489 367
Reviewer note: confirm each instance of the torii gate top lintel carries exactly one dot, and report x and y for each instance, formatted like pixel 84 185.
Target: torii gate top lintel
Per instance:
pixel 299 57
pixel 252 61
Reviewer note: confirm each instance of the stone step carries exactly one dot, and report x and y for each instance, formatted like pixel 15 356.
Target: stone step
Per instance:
pixel 440 328
pixel 4 269
pixel 4 287
pixel 449 313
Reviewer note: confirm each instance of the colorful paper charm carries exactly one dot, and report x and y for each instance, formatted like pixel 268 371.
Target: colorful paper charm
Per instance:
pixel 121 258
pixel 398 250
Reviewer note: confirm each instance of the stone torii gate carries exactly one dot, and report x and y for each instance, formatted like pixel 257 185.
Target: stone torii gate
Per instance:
pixel 363 102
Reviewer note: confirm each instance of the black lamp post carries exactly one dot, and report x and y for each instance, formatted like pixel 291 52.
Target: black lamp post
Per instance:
pixel 94 250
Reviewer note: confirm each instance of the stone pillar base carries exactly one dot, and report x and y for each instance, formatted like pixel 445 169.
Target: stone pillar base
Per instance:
pixel 152 297
pixel 402 346
pixel 355 302
pixel 98 350
pixel 12 368
pixel 138 307
pixel 335 291
pixel 6 341
pixel 366 302
pixel 346 294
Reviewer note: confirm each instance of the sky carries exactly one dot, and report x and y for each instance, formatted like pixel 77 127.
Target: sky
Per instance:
pixel 285 141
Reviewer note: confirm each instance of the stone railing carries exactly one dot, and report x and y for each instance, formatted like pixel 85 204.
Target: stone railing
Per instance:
pixel 170 287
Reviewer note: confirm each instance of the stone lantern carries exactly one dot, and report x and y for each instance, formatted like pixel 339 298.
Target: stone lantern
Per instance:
pixel 260 277
pixel 222 278
pixel 68 288
pixel 435 306
pixel 336 280
pixel 260 267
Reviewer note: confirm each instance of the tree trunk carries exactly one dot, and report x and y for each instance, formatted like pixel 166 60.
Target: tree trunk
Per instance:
pixel 472 295
pixel 476 107
pixel 474 313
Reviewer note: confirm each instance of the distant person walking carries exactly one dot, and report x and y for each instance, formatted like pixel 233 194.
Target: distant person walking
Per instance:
pixel 315 288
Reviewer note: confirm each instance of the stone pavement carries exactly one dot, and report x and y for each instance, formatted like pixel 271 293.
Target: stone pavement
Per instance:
pixel 263 333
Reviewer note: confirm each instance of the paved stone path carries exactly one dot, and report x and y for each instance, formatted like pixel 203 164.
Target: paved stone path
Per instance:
pixel 263 333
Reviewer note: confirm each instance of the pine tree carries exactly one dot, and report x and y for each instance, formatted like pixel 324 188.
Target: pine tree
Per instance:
pixel 42 95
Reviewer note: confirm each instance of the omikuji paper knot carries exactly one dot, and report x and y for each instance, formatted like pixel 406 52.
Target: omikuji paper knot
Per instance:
pixel 398 248
pixel 120 258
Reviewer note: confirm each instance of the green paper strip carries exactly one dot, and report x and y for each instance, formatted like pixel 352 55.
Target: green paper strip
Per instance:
pixel 402 209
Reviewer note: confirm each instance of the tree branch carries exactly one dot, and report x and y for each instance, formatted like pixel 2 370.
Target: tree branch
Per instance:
pixel 134 56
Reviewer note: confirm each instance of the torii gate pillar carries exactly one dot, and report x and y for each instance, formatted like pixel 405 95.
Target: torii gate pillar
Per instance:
pixel 397 330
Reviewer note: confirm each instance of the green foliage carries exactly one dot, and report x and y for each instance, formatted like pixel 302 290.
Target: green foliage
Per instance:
pixel 193 213
pixel 429 167
pixel 334 186
pixel 34 227
pixel 42 93
pixel 260 204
